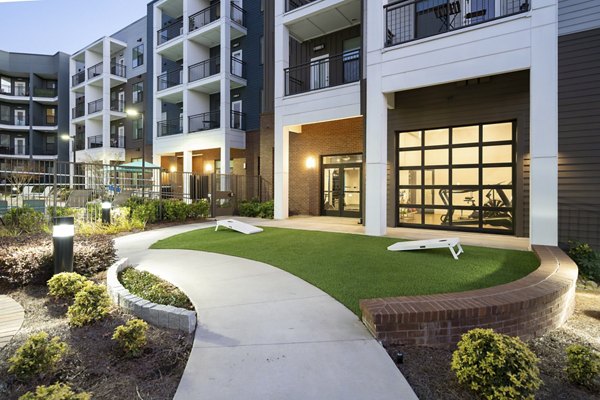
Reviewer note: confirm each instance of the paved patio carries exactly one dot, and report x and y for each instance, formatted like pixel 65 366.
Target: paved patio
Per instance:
pixel 11 319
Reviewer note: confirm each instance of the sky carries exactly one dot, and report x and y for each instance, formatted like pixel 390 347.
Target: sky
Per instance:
pixel 48 26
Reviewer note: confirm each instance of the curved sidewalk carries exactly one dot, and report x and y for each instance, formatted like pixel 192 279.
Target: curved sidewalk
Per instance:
pixel 265 334
pixel 12 316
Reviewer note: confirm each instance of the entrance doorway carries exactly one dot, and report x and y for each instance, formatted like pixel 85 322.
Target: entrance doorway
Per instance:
pixel 341 186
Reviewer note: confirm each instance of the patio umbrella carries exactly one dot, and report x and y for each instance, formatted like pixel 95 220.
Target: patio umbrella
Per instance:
pixel 136 166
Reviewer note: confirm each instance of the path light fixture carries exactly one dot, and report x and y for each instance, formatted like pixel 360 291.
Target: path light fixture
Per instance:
pixel 63 232
pixel 106 206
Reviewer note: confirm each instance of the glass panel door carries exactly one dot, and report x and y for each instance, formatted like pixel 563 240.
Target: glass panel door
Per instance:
pixel 20 146
pixel 331 191
pixel 351 188
pixel 342 185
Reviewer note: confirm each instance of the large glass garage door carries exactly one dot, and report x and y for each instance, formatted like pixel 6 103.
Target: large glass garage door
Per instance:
pixel 458 178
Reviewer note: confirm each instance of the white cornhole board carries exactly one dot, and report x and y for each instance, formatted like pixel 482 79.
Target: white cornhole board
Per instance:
pixel 238 226
pixel 449 243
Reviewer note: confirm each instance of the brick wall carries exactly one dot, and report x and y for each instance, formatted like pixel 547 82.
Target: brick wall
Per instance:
pixel 528 307
pixel 316 140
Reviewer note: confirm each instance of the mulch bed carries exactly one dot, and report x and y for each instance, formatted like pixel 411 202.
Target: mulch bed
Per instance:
pixel 427 370
pixel 94 363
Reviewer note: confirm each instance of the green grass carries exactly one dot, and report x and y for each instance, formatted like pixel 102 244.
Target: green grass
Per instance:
pixel 152 288
pixel 353 267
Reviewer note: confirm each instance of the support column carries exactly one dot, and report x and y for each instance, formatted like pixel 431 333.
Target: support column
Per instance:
pixel 543 192
pixel 105 98
pixel 186 173
pixel 225 68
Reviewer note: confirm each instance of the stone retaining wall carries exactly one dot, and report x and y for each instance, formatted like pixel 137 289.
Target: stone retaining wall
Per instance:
pixel 156 314
pixel 528 307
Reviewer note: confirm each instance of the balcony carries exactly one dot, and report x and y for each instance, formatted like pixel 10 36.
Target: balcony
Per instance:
pixel 78 78
pixel 15 150
pixel 94 142
pixel 204 17
pixel 169 127
pixel 205 121
pixel 204 69
pixel 324 73
pixel 170 79
pixel 117 142
pixel 48 149
pixel 80 141
pixel 117 105
pixel 95 71
pixel 45 92
pixel 78 111
pixel 171 31
pixel 48 121
pixel 293 4
pixel 238 120
pixel 409 20
pixel 238 14
pixel 118 70
pixel 238 68
pixel 94 106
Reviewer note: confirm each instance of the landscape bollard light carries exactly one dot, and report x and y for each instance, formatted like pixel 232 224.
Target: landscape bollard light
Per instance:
pixel 106 212
pixel 62 238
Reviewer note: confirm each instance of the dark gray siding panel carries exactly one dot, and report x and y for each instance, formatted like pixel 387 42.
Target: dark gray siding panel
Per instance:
pixel 579 137
pixel 498 98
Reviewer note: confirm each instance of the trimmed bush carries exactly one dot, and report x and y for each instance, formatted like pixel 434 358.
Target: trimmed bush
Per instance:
pixel 267 209
pixel 62 211
pixel 37 355
pixel 586 259
pixel 93 254
pixel 583 364
pixel 496 366
pixel 150 287
pixel 58 391
pixel 145 213
pixel 91 304
pixel 25 220
pixel 254 208
pixel 65 284
pixel 199 209
pixel 131 337
pixel 175 210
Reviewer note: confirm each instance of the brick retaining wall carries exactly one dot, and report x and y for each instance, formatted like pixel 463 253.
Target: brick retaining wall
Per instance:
pixel 528 307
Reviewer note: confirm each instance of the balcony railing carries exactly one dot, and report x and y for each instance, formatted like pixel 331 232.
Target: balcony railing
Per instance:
pixel 117 142
pixel 94 142
pixel 204 69
pixel 95 71
pixel 78 78
pixel 238 14
pixel 326 72
pixel 205 16
pixel 205 121
pixel 21 91
pixel 117 105
pixel 238 67
pixel 80 141
pixel 49 121
pixel 15 150
pixel 118 70
pixel 49 149
pixel 171 31
pixel 170 78
pixel 44 92
pixel 95 106
pixel 293 4
pixel 408 20
pixel 238 120
pixel 78 111
pixel 169 127
pixel 20 121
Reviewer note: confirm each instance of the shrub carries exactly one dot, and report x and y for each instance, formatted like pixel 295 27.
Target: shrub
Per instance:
pixel 131 337
pixel 496 366
pixel 267 210
pixel 25 220
pixel 150 287
pixel 65 284
pixel 91 304
pixel 58 391
pixel 175 210
pixel 583 364
pixel 199 209
pixel 254 208
pixel 62 211
pixel 586 259
pixel 93 254
pixel 146 213
pixel 37 355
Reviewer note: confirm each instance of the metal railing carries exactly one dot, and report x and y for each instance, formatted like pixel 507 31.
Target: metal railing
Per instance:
pixel 204 69
pixel 238 67
pixel 293 4
pixel 95 70
pixel 95 106
pixel 78 110
pixel 21 91
pixel 21 121
pixel 44 92
pixel 118 70
pixel 78 78
pixel 117 142
pixel 117 105
pixel 49 149
pixel 15 150
pixel 326 72
pixel 94 142
pixel 238 120
pixel 408 20
pixel 46 121
pixel 238 14
pixel 205 16
pixel 171 31
pixel 169 127
pixel 170 78
pixel 205 121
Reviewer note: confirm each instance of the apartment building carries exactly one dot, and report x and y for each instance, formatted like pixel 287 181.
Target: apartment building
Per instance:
pixel 33 105
pixel 108 97
pixel 207 80
pixel 438 114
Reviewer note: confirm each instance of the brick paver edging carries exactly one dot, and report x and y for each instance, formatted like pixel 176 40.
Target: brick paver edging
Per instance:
pixel 156 314
pixel 528 307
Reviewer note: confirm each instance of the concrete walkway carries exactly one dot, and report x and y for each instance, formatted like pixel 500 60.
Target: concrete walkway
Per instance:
pixel 266 334
pixel 11 319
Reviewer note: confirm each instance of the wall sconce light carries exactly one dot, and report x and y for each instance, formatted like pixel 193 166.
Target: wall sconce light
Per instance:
pixel 319 47
pixel 62 240
pixel 236 95
pixel 311 163
pixel 208 168
pixel 173 168
pixel 106 212
pixel 236 44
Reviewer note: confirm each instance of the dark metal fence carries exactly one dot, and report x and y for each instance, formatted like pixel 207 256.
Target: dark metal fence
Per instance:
pixel 205 16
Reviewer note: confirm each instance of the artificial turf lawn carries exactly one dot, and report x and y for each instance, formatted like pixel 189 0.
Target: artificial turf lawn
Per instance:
pixel 352 267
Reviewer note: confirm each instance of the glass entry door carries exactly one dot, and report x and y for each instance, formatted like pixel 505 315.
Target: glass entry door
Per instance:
pixel 341 185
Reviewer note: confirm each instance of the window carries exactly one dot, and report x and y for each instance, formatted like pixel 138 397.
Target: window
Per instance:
pixel 4 113
pixel 137 56
pixel 5 85
pixel 4 142
pixel 51 116
pixel 138 92
pixel 138 127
